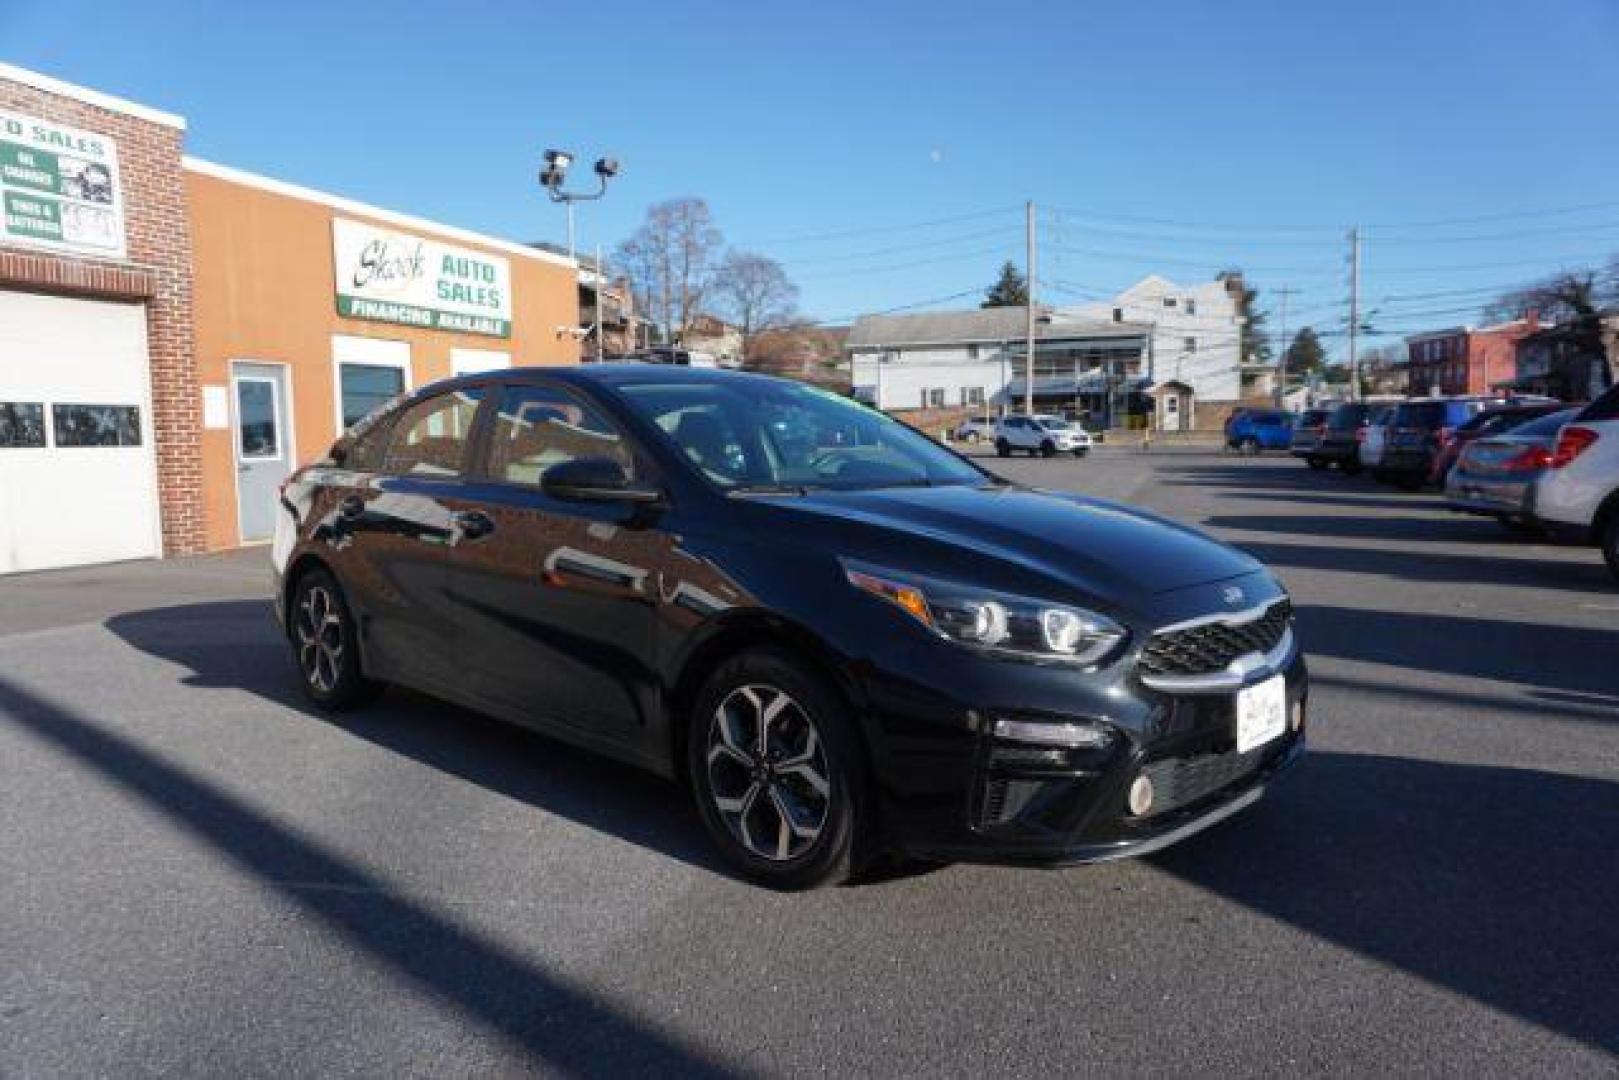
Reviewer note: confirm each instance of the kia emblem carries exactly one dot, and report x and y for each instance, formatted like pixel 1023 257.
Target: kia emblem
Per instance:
pixel 1232 595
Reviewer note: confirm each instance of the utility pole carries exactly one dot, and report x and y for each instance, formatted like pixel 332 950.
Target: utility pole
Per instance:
pixel 1354 312
pixel 1281 354
pixel 1028 359
pixel 601 298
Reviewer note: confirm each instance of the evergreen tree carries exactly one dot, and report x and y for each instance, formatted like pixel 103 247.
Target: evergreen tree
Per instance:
pixel 1305 356
pixel 1011 289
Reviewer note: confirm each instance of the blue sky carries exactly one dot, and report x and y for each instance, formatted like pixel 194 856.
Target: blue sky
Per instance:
pixel 1174 137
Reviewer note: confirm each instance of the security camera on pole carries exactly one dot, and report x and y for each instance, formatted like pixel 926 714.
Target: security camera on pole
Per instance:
pixel 551 178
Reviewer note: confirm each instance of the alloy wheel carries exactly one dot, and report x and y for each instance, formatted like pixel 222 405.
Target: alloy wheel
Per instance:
pixel 768 773
pixel 319 628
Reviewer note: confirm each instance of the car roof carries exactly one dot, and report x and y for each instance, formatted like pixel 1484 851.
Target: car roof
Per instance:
pixel 610 374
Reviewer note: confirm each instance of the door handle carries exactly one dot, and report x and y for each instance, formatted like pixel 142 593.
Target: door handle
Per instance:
pixel 473 524
pixel 351 506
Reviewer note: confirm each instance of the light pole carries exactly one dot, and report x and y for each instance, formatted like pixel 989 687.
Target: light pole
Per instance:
pixel 555 172
pixel 551 178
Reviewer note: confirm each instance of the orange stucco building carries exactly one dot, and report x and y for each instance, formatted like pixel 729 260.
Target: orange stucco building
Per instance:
pixel 309 309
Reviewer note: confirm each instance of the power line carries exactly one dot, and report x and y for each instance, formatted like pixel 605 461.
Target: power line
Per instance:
pixel 804 238
pixel 879 252
pixel 858 271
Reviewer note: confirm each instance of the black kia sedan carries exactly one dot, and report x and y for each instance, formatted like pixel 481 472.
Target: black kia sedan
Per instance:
pixel 843 638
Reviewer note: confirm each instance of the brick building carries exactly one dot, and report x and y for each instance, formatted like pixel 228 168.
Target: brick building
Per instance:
pixel 176 336
pixel 1465 360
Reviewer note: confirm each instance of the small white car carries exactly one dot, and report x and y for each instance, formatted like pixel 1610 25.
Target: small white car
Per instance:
pixel 976 429
pixel 1041 434
pixel 1579 491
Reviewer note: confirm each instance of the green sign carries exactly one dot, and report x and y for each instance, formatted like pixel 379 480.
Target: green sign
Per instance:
pixel 59 187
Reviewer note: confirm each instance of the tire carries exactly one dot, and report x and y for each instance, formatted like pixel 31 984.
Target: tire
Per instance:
pixel 1081 451
pixel 1250 446
pixel 1408 481
pixel 1003 448
pixel 1315 463
pixel 1350 466
pixel 324 645
pixel 1048 449
pixel 800 836
pixel 1610 545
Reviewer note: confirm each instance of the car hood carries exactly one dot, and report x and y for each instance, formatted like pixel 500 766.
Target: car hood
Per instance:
pixel 1107 550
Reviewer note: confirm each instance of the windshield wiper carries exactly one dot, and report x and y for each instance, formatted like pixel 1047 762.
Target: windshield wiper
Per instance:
pixel 770 489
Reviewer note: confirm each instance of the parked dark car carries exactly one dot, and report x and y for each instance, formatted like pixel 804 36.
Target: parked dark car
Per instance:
pixel 1487 424
pixel 1417 431
pixel 845 641
pixel 1254 430
pixel 1496 475
pixel 1307 435
pixel 1340 442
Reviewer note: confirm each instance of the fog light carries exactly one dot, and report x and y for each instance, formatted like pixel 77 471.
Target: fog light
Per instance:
pixel 1297 719
pixel 1140 796
pixel 1073 736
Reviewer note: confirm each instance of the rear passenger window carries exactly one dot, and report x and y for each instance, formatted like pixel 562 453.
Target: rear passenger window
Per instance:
pixel 430 438
pixel 537 427
pixel 1605 407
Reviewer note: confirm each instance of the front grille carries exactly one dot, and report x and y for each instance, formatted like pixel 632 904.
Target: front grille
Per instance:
pixel 1180 782
pixel 1209 647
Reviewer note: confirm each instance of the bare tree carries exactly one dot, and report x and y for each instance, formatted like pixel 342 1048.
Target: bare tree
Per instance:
pixel 755 292
pixel 671 260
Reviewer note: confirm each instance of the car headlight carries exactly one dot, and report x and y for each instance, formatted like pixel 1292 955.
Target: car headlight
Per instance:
pixel 993 622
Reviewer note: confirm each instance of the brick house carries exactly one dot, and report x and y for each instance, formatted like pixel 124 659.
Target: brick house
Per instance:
pixel 1465 360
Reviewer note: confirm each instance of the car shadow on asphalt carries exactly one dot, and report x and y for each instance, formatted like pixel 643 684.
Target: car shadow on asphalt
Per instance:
pixel 1496 883
pixel 1340 527
pixel 1588 577
pixel 1566 660
pixel 564 1027
pixel 235 644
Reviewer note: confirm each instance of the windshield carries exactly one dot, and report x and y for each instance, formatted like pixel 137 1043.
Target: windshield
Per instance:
pixel 764 435
pixel 1054 423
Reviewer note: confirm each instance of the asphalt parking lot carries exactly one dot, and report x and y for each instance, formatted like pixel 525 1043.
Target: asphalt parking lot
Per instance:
pixel 198 875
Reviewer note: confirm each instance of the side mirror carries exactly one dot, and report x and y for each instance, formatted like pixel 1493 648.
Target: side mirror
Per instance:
pixel 593 479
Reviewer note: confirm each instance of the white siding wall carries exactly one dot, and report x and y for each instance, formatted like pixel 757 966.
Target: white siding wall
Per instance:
pixel 911 371
pixel 1211 369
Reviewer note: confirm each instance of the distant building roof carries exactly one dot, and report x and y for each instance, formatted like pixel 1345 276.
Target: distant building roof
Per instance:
pixel 978 326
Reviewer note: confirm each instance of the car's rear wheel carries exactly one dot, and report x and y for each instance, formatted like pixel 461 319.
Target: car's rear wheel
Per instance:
pixel 324 644
pixel 1350 466
pixel 1003 448
pixel 1610 544
pixel 1316 463
pixel 1519 526
pixel 1048 448
pixel 776 769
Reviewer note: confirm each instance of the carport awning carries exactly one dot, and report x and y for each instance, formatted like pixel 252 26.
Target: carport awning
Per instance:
pixel 1091 382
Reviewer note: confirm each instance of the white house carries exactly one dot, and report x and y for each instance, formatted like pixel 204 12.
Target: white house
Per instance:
pixel 1196 342
pixel 955 359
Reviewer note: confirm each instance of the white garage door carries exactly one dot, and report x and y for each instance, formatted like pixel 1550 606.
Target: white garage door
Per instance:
pixel 78 476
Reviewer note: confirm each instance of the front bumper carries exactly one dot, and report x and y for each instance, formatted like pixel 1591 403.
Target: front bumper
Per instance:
pixel 1015 802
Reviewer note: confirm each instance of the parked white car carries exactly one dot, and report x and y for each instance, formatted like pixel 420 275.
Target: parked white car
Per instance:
pixel 976 429
pixel 1579 491
pixel 1041 434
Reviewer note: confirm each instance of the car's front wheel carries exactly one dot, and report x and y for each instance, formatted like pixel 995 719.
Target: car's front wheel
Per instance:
pixel 775 766
pixel 1316 463
pixel 1003 448
pixel 324 644
pixel 1048 448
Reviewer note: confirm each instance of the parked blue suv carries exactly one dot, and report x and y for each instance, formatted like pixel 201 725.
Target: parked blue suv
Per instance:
pixel 1253 430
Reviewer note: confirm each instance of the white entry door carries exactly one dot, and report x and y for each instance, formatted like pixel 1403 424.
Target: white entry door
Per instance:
pixel 1172 412
pixel 78 474
pixel 262 433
